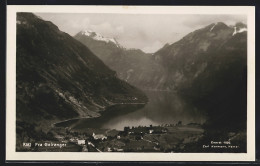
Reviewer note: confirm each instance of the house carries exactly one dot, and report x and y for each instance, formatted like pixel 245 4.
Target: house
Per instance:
pixel 130 132
pixel 59 137
pixel 134 98
pixel 150 131
pixel 118 137
pixel 99 136
pixel 74 140
pixel 164 130
pixel 81 142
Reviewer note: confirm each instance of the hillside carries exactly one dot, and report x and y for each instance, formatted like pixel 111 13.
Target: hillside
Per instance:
pixel 131 65
pixel 59 78
pixel 209 67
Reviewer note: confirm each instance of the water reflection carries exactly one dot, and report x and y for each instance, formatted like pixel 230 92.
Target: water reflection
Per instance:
pixel 162 108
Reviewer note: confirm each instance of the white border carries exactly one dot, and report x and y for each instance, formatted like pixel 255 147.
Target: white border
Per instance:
pixel 90 156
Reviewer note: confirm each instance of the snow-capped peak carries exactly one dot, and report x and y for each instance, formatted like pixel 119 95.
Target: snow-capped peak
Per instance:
pixel 235 31
pixel 87 32
pixel 212 27
pixel 238 31
pixel 99 37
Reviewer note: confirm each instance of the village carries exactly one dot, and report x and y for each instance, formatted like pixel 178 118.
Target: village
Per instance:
pixel 163 138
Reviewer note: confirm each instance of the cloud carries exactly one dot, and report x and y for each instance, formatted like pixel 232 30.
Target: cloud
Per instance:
pixel 103 28
pixel 203 20
pixel 144 31
pixel 107 29
pixel 120 29
pixel 152 48
pixel 85 22
pixel 67 22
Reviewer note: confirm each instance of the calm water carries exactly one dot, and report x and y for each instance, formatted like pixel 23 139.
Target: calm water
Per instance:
pixel 162 108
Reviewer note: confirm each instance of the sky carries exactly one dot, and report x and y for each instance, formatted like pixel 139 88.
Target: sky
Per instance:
pixel 147 32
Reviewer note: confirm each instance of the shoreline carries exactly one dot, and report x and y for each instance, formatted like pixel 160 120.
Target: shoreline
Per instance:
pixel 78 118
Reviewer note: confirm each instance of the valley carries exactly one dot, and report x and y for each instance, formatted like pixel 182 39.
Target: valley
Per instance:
pixel 92 94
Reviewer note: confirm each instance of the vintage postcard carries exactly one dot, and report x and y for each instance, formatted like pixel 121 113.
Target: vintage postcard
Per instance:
pixel 130 83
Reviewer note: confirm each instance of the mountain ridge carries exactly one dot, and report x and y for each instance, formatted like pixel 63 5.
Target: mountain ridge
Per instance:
pixel 201 66
pixel 99 37
pixel 208 67
pixel 130 64
pixel 59 78
pixel 219 32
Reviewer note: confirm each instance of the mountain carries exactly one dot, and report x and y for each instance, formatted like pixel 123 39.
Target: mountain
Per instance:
pixel 172 66
pixel 59 78
pixel 186 59
pixel 98 37
pixel 131 65
pixel 209 66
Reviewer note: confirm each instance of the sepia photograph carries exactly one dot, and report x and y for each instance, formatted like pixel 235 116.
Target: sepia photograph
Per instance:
pixel 134 81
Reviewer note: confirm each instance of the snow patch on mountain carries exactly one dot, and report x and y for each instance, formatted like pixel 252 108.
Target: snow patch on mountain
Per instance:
pixel 87 32
pixel 212 27
pixel 242 30
pixel 99 37
pixel 238 31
